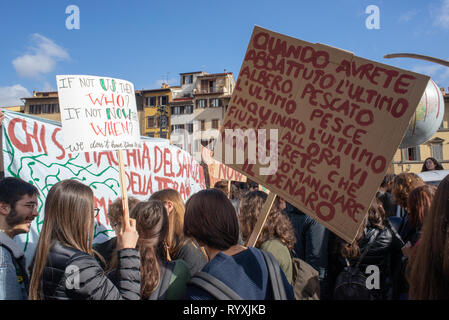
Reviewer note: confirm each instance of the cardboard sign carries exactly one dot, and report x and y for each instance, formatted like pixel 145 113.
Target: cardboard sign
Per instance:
pixel 336 121
pixel 218 171
pixel 97 113
pixel 33 151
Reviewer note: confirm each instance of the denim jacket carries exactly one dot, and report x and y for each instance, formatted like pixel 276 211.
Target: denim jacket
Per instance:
pixel 12 270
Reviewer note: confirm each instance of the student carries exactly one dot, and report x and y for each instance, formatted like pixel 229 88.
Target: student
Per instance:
pixel 429 278
pixel 160 279
pixel 64 268
pixel 211 219
pixel 115 214
pixel 18 208
pixel 179 247
pixel 277 235
pixel 431 164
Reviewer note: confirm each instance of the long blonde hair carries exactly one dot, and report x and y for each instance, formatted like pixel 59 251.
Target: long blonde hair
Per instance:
pixel 175 237
pixel 69 219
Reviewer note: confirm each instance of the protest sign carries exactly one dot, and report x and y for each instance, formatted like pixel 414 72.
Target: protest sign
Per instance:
pixel 325 121
pixel 97 113
pixel 33 151
pixel 218 171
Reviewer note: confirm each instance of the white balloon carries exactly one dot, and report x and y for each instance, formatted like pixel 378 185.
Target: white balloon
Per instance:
pixel 427 117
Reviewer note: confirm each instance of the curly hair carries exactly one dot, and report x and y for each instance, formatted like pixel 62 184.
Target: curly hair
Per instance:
pixel 277 225
pixel 403 184
pixel 419 202
pixel 115 210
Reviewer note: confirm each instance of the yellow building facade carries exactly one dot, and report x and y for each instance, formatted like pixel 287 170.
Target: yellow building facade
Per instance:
pixel 156 105
pixel 412 159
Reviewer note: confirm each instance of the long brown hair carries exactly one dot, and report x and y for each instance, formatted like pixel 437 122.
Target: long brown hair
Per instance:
pixel 429 277
pixel 175 238
pixel 69 219
pixel 419 202
pixel 152 226
pixel 277 225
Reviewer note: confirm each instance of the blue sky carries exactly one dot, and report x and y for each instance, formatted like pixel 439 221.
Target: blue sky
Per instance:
pixel 147 42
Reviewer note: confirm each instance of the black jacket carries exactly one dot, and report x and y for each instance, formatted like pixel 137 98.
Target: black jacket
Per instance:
pixel 383 253
pixel 73 274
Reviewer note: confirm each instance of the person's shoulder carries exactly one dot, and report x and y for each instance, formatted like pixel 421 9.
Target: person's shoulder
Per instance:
pixel 273 244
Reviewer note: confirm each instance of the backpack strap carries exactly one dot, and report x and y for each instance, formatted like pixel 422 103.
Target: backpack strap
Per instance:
pixel 161 291
pixel 213 286
pixel 370 243
pixel 274 273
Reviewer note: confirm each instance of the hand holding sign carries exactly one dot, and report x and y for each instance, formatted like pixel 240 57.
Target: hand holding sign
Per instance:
pixel 336 119
pixel 99 114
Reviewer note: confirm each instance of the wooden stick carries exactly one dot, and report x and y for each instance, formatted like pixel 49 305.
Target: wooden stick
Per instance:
pixel 229 188
pixel 261 220
pixel 123 187
pixel 417 56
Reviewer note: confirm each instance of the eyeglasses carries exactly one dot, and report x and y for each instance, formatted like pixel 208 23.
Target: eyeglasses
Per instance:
pixel 96 212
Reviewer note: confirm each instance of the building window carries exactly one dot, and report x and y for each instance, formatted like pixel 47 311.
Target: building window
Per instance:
pixel 215 102
pixel 151 122
pixel 163 135
pixel 203 125
pixel 150 134
pixel 190 127
pixel 151 101
pixel 212 86
pixel 189 109
pixel 187 79
pixel 202 103
pixel 437 150
pixel 175 110
pixel 215 124
pixel 163 100
pixel 412 154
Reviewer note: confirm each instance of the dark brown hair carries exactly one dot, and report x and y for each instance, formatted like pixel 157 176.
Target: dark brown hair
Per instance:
pixel 429 277
pixel 419 202
pixel 438 165
pixel 210 218
pixel 277 224
pixel 152 226
pixel 403 183
pixel 222 185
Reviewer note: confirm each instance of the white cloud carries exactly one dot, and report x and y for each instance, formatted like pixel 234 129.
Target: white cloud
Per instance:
pixel 438 73
pixel 10 96
pixel 408 16
pixel 43 58
pixel 441 14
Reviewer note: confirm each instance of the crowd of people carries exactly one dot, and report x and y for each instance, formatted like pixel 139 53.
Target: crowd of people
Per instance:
pixel 197 250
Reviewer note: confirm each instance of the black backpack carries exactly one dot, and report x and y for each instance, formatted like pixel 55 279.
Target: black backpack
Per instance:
pixel 351 282
pixel 221 291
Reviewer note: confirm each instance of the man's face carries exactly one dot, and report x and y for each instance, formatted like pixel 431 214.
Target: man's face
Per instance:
pixel 22 215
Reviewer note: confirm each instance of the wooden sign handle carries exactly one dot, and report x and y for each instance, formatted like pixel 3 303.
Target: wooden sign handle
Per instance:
pixel 261 220
pixel 123 188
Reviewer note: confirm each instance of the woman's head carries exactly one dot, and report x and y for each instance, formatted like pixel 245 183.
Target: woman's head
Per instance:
pixel 69 219
pixel 431 164
pixel 419 202
pixel 175 209
pixel 277 224
pixel 211 219
pixel 429 278
pixel 115 210
pixel 152 226
pixel 403 184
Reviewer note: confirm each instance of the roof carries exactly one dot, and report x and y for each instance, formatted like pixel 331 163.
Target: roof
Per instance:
pixel 191 72
pixel 215 74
